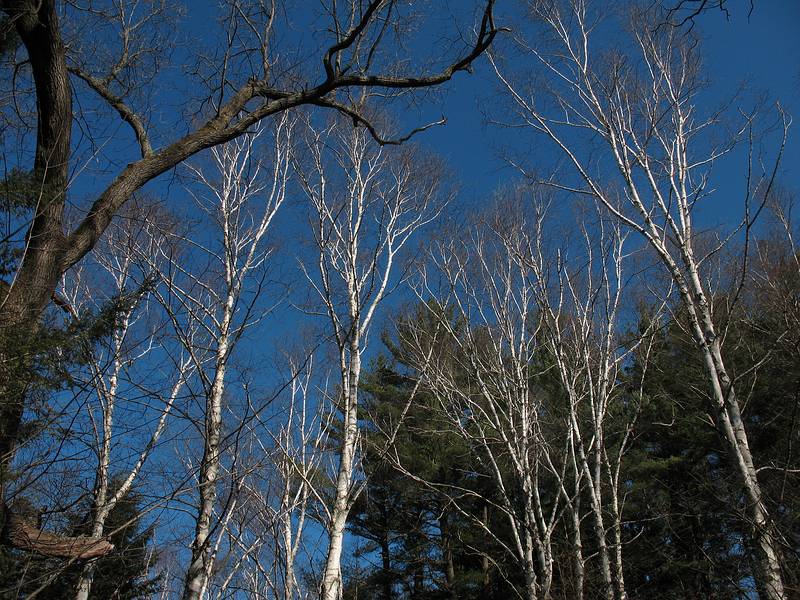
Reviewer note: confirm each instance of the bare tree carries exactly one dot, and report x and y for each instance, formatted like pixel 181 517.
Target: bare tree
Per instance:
pixel 298 453
pixel 268 532
pixel 511 309
pixel 113 366
pixel 211 296
pixel 494 333
pixel 581 301
pixel 245 85
pixel 647 122
pixel 367 202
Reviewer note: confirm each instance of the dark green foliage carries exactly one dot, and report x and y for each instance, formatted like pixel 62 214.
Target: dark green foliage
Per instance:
pixel 9 38
pixel 40 360
pixel 18 196
pixel 685 514
pixel 44 359
pixel 400 519
pixel 20 191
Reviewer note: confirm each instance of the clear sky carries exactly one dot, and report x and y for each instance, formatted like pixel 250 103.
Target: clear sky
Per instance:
pixel 762 49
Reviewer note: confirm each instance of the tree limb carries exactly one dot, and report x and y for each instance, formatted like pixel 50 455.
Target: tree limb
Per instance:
pixel 125 112
pixel 21 534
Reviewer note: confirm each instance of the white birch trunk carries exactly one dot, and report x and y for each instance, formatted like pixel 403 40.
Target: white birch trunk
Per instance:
pixel 360 227
pixel 117 259
pixel 662 179
pixel 200 567
pixel 332 577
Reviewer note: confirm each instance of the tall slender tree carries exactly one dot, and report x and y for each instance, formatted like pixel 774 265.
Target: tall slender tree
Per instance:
pixel 366 204
pixel 640 106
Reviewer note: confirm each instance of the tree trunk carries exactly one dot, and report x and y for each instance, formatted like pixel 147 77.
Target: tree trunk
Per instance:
pixel 21 534
pixel 605 560
pixel 767 569
pixel 24 301
pixel 619 575
pixel 332 578
pixel 577 548
pixel 288 586
pixel 87 574
pixel 447 554
pixel 531 585
pixel 595 499
pixel 200 568
pixel 40 270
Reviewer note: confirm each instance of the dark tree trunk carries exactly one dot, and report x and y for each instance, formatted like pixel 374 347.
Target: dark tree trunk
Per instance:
pixel 387 566
pixel 447 554
pixel 41 268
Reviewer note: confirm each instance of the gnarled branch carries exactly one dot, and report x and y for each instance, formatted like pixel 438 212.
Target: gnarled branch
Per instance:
pixel 21 534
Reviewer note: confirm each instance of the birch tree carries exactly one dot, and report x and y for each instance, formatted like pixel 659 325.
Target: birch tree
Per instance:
pixel 487 388
pixel 581 299
pixel 212 295
pixel 366 203
pixel 640 107
pixel 116 372
pixel 298 454
pixel 267 536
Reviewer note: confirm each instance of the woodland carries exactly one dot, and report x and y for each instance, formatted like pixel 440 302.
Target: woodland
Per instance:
pixel 262 339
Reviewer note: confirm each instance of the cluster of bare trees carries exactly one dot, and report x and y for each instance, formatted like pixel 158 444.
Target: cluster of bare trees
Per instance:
pixel 209 300
pixel 250 454
pixel 513 298
pixel 256 460
pixel 658 159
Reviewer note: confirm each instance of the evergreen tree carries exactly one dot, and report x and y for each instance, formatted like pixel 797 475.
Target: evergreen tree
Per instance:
pixel 685 536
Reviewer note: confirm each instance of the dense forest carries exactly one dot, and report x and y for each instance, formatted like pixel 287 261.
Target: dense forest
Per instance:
pixel 262 337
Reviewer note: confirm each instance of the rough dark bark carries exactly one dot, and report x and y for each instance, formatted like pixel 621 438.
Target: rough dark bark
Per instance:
pixel 37 26
pixel 36 281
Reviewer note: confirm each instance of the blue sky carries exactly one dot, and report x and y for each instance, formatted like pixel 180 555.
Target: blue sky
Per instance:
pixel 762 48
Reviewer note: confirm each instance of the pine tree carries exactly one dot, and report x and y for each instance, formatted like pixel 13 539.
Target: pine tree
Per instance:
pixel 685 535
